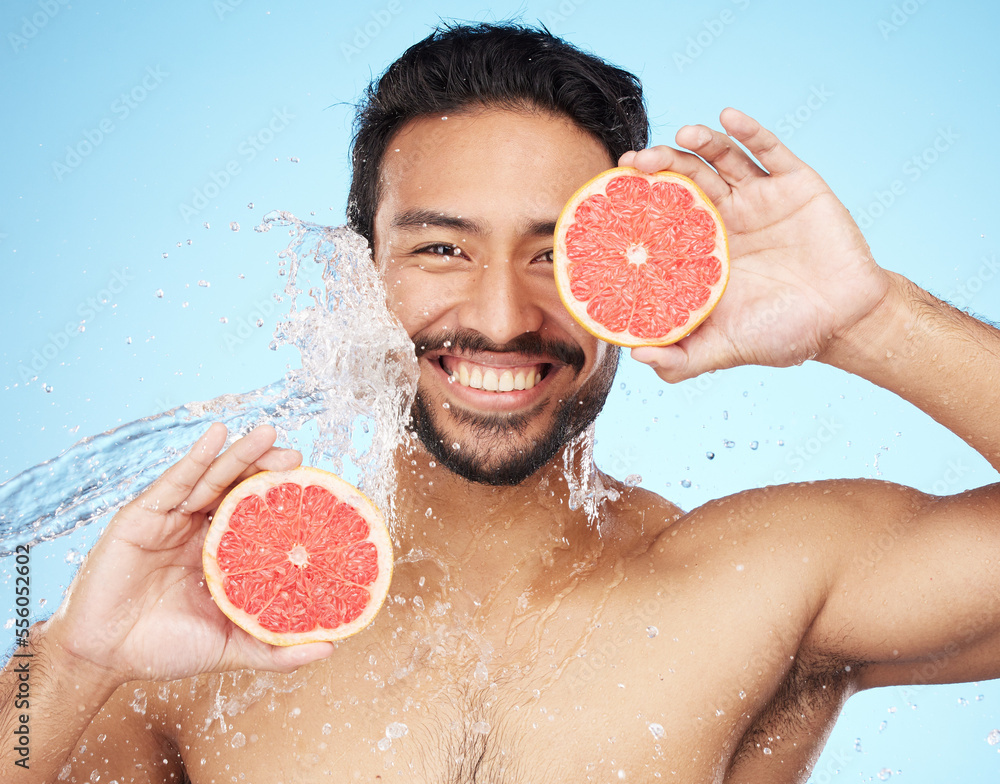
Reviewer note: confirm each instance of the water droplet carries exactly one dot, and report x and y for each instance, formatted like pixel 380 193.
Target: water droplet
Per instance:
pixel 729 444
pixel 233 225
pixel 128 340
pixel 767 749
pixel 885 774
pixel 139 701
pixel 657 730
pixel 206 225
pixel 633 480
pixel 204 284
pixel 239 739
pixel 743 694
pixel 754 444
pixel 685 483
pixel 725 415
pixel 456 446
pixel 993 738
pixel 781 442
pixel 482 673
pixel 857 744
pixel 396 730
pixel 260 322
pixel 166 255
pixel 327 728
pixel 652 631
pixel 384 744
pixel 250 206
pixel 47 388
pixel 190 242
pixel 429 512
pixel 223 320
pixel 418 602
pixel 710 455
pixel 158 293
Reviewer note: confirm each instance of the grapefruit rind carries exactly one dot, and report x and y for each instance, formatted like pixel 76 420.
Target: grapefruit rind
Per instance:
pixel 561 262
pixel 258 484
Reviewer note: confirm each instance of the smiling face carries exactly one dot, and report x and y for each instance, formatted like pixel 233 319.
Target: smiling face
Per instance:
pixel 464 233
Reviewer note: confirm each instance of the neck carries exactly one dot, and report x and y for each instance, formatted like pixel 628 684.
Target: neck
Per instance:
pixel 480 533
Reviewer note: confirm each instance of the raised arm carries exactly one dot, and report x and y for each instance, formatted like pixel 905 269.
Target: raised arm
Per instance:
pixel 139 609
pixel 907 581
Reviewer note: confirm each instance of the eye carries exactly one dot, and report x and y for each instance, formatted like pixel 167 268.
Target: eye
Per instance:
pixel 544 258
pixel 441 249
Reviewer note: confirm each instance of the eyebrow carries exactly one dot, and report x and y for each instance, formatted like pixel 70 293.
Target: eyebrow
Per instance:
pixel 419 218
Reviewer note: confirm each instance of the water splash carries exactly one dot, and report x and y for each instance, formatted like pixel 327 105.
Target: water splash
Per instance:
pixel 345 408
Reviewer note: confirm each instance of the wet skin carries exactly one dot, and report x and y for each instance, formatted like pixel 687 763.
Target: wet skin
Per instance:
pixel 523 643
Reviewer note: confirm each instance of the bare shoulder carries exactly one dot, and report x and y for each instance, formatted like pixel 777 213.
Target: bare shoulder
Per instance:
pixel 130 733
pixel 837 515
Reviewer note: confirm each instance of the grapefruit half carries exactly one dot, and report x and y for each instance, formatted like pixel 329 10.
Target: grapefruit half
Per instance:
pixel 640 259
pixel 298 556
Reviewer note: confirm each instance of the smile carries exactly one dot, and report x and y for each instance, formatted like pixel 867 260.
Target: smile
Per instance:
pixel 493 378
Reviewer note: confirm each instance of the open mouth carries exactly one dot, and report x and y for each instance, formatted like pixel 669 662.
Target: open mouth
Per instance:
pixel 493 378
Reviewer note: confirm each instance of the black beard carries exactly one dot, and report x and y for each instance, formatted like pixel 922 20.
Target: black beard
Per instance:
pixel 492 460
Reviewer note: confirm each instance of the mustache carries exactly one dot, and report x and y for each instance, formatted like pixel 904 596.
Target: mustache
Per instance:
pixel 529 343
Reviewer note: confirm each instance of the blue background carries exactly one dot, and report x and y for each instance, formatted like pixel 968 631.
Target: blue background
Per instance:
pixel 118 115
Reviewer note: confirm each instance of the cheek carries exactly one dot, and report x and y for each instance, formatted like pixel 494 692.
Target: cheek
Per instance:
pixel 418 299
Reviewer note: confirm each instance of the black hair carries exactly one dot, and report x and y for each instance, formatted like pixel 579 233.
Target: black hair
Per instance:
pixel 506 66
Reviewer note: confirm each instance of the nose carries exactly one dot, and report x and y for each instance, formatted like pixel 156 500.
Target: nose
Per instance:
pixel 502 303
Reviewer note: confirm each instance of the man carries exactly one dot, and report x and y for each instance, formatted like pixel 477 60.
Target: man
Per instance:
pixel 729 637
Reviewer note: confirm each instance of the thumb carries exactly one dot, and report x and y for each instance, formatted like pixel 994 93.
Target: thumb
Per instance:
pixel 690 357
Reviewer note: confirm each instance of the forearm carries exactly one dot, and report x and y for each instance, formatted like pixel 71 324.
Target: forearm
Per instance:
pixel 47 701
pixel 942 360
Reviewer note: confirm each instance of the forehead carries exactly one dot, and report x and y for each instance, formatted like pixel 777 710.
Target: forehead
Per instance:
pixel 486 164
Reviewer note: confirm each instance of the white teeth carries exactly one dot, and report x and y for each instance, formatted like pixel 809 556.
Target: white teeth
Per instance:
pixel 494 379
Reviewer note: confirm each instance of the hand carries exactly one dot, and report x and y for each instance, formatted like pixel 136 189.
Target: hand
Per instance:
pixel 139 606
pixel 801 272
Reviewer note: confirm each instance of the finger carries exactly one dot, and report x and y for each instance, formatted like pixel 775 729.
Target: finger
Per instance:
pixel 229 466
pixel 274 459
pixel 176 483
pixel 664 158
pixel 688 358
pixel 764 145
pixel 255 654
pixel 732 163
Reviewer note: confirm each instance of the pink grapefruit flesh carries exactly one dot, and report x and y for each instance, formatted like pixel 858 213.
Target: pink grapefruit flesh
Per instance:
pixel 298 556
pixel 640 259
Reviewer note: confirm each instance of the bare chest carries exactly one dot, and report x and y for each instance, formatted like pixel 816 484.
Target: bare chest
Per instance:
pixel 601 686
